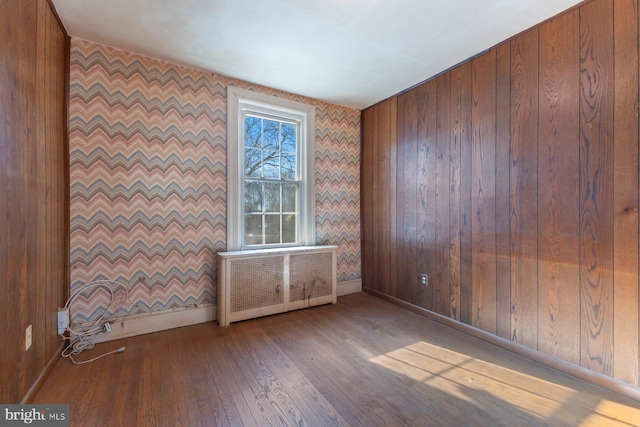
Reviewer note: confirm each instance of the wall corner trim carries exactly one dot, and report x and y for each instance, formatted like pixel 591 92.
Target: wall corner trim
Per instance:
pixel 37 385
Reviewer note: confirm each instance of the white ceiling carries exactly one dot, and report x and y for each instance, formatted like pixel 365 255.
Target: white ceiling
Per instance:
pixel 347 52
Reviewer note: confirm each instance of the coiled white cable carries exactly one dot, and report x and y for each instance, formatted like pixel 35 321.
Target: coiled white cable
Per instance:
pixel 81 339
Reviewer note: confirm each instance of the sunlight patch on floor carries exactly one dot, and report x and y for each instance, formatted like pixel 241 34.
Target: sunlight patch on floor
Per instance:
pixel 488 386
pixel 616 411
pixel 460 376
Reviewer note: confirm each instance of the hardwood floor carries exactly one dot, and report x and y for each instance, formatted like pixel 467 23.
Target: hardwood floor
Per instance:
pixel 361 362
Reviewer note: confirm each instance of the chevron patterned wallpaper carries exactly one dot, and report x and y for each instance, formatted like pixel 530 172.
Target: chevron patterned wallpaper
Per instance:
pixel 148 179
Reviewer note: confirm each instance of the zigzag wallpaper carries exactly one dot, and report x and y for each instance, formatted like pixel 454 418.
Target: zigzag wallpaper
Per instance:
pixel 148 180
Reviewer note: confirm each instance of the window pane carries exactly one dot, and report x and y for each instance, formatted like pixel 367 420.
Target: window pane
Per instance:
pixel 253 197
pixel 252 163
pixel 289 226
pixel 253 229
pixel 272 197
pixel 271 164
pixel 289 198
pixel 288 135
pixel 270 139
pixel 252 131
pixel 288 166
pixel 272 228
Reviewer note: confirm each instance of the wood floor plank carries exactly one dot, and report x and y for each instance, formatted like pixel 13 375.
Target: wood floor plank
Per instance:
pixel 304 344
pixel 268 390
pixel 418 401
pixel 225 386
pixel 185 366
pixel 396 409
pixel 212 405
pixel 334 396
pixel 361 362
pixel 241 394
pixel 313 404
pixel 125 411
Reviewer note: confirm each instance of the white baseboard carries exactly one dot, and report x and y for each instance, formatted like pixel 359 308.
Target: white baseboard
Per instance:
pixel 350 287
pixel 158 321
pixel 169 319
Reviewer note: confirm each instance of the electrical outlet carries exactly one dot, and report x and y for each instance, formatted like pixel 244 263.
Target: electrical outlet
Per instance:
pixel 63 320
pixel 28 338
pixel 424 280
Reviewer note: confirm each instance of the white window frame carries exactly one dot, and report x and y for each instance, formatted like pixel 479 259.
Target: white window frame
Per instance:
pixel 240 102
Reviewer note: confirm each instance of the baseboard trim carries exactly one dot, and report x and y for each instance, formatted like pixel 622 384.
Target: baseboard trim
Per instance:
pixel 579 372
pixel 37 385
pixel 169 319
pixel 158 321
pixel 349 287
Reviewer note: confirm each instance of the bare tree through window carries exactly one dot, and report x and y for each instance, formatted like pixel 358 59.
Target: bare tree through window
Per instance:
pixel 272 184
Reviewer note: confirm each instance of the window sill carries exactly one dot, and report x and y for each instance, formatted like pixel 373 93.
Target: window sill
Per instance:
pixel 271 251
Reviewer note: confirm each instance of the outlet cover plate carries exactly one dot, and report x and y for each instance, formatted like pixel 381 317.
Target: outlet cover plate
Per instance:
pixel 63 320
pixel 424 280
pixel 28 339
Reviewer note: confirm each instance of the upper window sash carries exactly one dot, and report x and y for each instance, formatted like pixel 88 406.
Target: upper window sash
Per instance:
pixel 299 166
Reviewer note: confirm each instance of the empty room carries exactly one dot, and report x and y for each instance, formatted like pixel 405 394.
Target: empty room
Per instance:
pixel 347 212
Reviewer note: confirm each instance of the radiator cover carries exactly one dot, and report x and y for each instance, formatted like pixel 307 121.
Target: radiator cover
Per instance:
pixel 268 281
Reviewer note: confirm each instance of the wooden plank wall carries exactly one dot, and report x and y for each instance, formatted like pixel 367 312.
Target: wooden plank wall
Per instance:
pixel 33 179
pixel 512 181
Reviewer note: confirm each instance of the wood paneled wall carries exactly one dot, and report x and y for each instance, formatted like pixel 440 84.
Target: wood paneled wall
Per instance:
pixel 512 181
pixel 33 181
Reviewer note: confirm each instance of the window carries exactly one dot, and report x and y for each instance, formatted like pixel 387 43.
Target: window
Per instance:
pixel 270 189
pixel 271 181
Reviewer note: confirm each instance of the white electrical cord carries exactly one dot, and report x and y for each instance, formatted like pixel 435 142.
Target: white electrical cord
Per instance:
pixel 70 355
pixel 81 339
